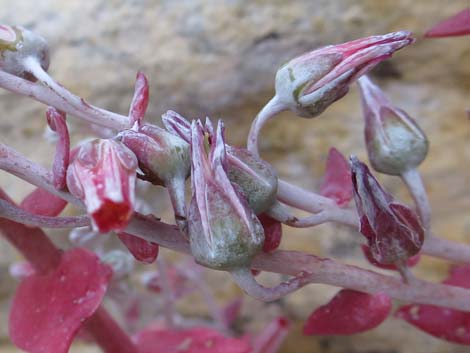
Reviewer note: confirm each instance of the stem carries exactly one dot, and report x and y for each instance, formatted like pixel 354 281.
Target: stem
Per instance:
pixel 37 249
pixel 176 189
pixel 269 111
pixel 302 199
pixel 245 279
pixel 14 213
pixel 415 185
pixel 64 101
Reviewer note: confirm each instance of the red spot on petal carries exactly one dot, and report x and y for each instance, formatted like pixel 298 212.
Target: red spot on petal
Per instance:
pixel 48 310
pixel 349 312
pixel 112 216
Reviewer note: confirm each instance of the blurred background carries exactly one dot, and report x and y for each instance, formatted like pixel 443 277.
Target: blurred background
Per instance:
pixel 218 58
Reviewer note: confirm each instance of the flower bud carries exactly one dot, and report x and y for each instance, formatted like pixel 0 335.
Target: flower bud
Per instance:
pixel 393 231
pixel 162 156
pixel 394 141
pixel 224 232
pixel 17 44
pixel 103 174
pixel 308 84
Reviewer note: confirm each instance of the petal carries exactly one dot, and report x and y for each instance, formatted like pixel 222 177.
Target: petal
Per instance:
pixel 349 312
pixel 43 203
pixel 195 340
pixel 337 180
pixel 143 250
pixel 48 310
pixel 412 261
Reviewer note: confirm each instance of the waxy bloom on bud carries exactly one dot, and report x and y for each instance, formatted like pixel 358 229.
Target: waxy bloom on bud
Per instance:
pixel 224 232
pixel 16 45
pixel 393 231
pixel 103 174
pixel 394 141
pixel 309 83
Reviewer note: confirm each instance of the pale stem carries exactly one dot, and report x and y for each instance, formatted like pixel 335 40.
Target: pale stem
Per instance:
pixel 176 189
pixel 62 100
pixel 269 111
pixel 415 185
pixel 302 199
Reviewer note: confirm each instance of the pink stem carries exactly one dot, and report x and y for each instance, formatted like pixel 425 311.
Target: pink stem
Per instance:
pixel 58 97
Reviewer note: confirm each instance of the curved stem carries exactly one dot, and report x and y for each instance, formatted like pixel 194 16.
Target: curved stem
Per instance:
pixel 269 111
pixel 245 279
pixel 66 101
pixel 13 213
pixel 414 183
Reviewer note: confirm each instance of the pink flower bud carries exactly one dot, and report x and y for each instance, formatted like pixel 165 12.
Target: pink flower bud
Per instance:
pixel 103 174
pixel 18 44
pixel 224 232
pixel 394 141
pixel 311 82
pixel 393 231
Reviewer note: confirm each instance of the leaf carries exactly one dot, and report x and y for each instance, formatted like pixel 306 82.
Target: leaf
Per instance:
pixel 43 203
pixel 336 183
pixel 457 25
pixel 195 340
pixel 143 250
pixel 349 312
pixel 48 310
pixel 448 324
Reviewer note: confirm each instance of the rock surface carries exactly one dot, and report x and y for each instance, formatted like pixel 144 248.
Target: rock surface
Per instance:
pixel 218 58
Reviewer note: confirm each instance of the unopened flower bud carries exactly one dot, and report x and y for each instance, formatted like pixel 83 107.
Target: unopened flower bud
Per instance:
pixel 18 44
pixel 308 84
pixel 103 174
pixel 394 141
pixel 162 156
pixel 224 232
pixel 393 231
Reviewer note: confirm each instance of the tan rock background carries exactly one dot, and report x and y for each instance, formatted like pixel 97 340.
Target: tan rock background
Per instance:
pixel 218 58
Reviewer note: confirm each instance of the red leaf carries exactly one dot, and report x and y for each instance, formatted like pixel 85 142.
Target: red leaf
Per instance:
pixel 349 312
pixel 457 25
pixel 272 232
pixel 48 310
pixel 195 340
pixel 410 262
pixel 143 250
pixel 448 324
pixel 43 203
pixel 336 183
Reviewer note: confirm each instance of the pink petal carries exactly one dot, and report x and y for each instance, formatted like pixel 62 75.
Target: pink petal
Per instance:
pixel 349 312
pixel 43 203
pixel 272 232
pixel 337 180
pixel 56 121
pixel 140 100
pixel 448 324
pixel 195 340
pixel 457 25
pixel 48 310
pixel 141 249
pixel 410 262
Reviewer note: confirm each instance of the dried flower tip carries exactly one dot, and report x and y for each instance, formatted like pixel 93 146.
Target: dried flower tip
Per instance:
pixel 224 232
pixel 103 175
pixel 393 231
pixel 16 45
pixel 308 84
pixel 394 141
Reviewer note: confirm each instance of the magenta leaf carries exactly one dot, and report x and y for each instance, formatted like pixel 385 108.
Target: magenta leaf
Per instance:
pixel 349 312
pixel 448 324
pixel 272 232
pixel 336 183
pixel 48 310
pixel 195 340
pixel 143 250
pixel 140 100
pixel 412 261
pixel 56 121
pixel 43 203
pixel 457 25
